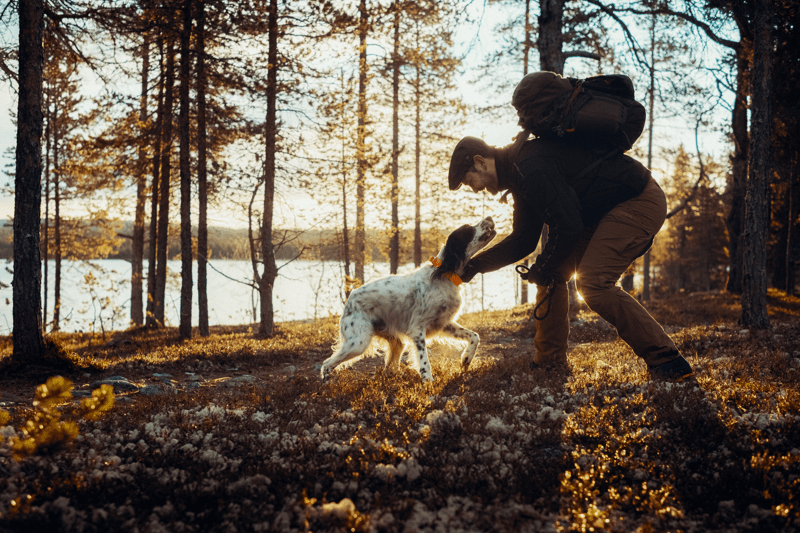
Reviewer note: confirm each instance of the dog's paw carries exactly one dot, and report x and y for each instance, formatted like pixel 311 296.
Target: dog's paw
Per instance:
pixel 325 372
pixel 427 376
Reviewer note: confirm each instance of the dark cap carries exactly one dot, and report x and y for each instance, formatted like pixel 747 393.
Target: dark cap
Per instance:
pixel 463 158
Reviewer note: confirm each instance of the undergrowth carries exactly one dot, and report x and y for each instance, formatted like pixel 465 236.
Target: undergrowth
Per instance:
pixel 593 447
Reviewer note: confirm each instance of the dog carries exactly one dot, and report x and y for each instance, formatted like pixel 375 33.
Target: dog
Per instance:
pixel 412 308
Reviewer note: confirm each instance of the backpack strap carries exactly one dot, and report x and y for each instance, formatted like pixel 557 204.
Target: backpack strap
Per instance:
pixel 596 164
pixel 567 107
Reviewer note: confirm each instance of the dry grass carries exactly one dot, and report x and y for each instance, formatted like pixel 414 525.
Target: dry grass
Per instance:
pixel 595 447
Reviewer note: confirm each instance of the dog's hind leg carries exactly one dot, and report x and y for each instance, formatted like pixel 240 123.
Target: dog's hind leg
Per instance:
pixel 458 331
pixel 356 337
pixel 396 347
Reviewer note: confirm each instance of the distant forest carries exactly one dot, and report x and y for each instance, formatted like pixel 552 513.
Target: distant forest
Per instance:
pixel 231 243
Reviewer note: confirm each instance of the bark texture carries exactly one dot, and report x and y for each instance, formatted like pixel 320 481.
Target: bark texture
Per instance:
pixel 359 246
pixel 734 219
pixel 137 243
pixel 164 186
pixel 202 175
pixel 185 325
pixel 150 319
pixel 270 272
pixel 394 239
pixel 550 39
pixel 27 281
pixel 754 270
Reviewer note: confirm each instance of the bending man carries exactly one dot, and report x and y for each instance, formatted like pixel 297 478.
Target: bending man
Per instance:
pixel 599 222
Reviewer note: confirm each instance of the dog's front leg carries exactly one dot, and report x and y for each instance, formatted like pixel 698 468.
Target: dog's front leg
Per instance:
pixel 460 332
pixel 423 362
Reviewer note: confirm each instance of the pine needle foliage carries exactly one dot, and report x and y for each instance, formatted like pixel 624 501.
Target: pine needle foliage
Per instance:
pixel 44 431
pixel 594 446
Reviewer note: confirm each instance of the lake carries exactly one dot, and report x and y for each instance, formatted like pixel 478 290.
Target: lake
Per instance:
pixel 96 294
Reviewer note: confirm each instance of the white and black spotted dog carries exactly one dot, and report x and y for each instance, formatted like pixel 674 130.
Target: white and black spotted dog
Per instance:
pixel 413 307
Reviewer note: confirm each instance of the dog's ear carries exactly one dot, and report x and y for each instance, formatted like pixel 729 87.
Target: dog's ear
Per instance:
pixel 455 250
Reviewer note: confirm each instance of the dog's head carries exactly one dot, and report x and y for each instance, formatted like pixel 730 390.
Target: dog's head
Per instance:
pixel 465 242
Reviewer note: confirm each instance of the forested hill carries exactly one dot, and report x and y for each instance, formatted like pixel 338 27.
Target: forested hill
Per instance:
pixel 228 243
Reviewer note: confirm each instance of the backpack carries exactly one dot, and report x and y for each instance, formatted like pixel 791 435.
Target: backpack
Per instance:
pixel 600 110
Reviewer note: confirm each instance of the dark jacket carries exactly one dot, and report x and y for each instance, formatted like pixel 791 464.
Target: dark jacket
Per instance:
pixel 543 182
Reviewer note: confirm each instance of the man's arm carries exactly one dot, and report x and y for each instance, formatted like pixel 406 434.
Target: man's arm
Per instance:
pixel 522 241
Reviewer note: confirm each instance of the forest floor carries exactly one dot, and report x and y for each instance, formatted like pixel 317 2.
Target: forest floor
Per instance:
pixel 235 433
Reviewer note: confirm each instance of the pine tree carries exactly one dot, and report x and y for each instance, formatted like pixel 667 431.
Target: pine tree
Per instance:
pixel 185 327
pixel 359 245
pixel 164 183
pixel 436 107
pixel 27 303
pixel 137 241
pixel 396 62
pixel 202 173
pixel 754 271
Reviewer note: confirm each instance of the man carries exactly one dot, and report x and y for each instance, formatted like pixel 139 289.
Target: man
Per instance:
pixel 603 212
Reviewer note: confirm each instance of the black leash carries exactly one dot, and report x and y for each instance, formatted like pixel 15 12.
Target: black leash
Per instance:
pixel 522 270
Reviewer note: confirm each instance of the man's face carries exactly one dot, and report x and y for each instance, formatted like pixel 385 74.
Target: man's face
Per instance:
pixel 482 176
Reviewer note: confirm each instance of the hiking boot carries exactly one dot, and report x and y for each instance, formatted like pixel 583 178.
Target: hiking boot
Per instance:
pixel 677 370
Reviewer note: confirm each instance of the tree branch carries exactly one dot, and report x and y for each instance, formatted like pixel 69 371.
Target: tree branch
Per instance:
pixel 689 196
pixel 707 29
pixel 578 53
pixel 628 35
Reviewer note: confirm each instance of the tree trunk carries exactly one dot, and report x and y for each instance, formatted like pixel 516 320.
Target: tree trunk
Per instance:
pixel 361 135
pixel 348 280
pixel 163 193
pixel 267 324
pixel 754 268
pixel 650 124
pixel 394 242
pixel 526 46
pixel 523 286
pixel 417 167
pixel 137 243
pixel 27 281
pixel 154 195
pixel 185 327
pixel 56 221
pixel 202 176
pixel 741 155
pixel 46 244
pixel 551 59
pixel 550 39
pixel 790 231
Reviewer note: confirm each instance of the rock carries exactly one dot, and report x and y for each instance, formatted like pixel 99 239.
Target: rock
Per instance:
pixel 238 380
pixel 79 393
pixel 157 390
pixel 119 383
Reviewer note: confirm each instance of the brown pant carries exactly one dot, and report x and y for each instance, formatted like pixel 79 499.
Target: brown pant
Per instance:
pixel 600 258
